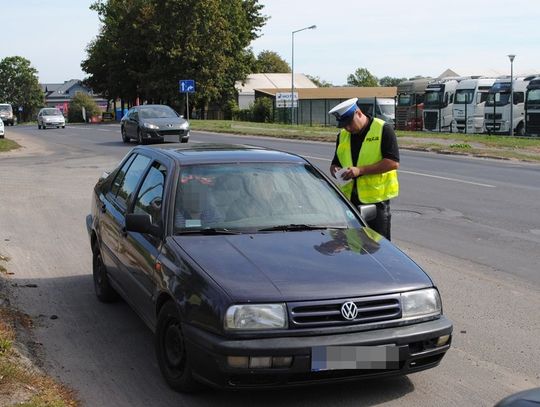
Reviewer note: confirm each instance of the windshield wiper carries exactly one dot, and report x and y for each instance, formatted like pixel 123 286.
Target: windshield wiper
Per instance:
pixel 298 227
pixel 209 231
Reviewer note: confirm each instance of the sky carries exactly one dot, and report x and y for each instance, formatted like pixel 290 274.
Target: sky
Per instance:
pixel 390 37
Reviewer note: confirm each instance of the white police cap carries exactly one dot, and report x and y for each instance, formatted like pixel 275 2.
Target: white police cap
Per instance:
pixel 344 112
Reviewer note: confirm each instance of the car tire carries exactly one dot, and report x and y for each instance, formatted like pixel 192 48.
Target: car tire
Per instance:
pixel 139 137
pixel 39 126
pixel 125 138
pixel 63 127
pixel 520 130
pixel 171 354
pixel 102 285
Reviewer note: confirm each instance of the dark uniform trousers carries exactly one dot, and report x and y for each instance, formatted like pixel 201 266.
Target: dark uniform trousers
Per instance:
pixel 381 223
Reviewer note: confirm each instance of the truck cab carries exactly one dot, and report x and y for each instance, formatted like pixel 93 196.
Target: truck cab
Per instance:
pixel 497 110
pixel 469 105
pixel 410 104
pixel 381 108
pixel 438 105
pixel 532 108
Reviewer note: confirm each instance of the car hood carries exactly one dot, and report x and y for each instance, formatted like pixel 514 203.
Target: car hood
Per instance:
pixel 173 122
pixel 298 266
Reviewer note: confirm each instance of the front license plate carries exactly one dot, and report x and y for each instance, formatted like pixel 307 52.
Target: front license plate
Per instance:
pixel 171 138
pixel 354 357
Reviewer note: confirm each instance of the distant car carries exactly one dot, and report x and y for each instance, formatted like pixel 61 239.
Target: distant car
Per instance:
pixel 253 270
pixel 1 129
pixel 154 123
pixel 6 114
pixel 50 117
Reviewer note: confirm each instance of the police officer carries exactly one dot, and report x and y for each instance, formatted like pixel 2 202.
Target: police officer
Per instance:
pixel 366 153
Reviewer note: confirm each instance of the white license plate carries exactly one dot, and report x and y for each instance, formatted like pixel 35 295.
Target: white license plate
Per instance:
pixel 354 357
pixel 172 138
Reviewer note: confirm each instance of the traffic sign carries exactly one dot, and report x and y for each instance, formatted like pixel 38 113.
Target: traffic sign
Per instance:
pixel 283 99
pixel 187 86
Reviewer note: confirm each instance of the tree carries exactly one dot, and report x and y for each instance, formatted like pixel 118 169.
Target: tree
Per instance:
pixel 271 62
pixel 146 46
pixel 362 77
pixel 391 81
pixel 20 86
pixel 79 101
pixel 321 83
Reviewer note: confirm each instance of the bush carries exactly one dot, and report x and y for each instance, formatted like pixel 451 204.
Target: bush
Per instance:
pixel 262 110
pixel 75 108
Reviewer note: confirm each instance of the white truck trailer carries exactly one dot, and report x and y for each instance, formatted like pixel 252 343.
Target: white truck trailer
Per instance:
pixel 469 105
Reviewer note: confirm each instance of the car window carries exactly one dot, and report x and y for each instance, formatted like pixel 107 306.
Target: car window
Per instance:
pixel 255 196
pixel 119 178
pixel 132 178
pixel 150 196
pixel 157 112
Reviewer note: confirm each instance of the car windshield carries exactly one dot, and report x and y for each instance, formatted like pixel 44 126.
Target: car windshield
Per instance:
pixel 388 110
pixel 433 99
pixel 52 112
pixel 250 197
pixel 157 112
pixel 404 100
pixel 533 96
pixel 6 108
pixel 501 100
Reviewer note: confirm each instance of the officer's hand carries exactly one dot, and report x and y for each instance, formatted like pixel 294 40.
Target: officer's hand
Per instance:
pixel 334 169
pixel 352 172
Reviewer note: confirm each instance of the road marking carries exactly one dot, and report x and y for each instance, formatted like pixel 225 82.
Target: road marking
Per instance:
pixel 421 174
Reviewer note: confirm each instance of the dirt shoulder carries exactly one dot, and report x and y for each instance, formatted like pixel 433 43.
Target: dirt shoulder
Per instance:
pixel 22 381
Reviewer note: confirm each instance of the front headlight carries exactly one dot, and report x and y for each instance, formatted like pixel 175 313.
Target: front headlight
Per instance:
pixel 256 316
pixel 151 126
pixel 421 303
pixel 184 126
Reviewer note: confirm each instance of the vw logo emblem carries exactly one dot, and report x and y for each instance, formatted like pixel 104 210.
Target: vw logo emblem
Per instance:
pixel 169 125
pixel 349 310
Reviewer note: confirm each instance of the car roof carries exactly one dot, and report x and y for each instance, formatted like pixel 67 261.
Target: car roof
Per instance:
pixel 224 153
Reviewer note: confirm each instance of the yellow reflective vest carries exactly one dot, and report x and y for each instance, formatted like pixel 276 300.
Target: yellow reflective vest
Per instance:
pixel 371 188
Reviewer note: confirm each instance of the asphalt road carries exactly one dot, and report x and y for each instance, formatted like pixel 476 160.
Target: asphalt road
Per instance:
pixel 473 224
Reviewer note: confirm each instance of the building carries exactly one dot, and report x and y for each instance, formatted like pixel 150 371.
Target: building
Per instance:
pixel 246 89
pixel 60 94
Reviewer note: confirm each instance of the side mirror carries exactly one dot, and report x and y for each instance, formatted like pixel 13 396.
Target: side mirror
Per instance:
pixel 104 175
pixel 142 223
pixel 368 212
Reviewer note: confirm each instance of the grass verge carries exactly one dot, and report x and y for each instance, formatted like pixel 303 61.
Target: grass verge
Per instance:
pixel 481 145
pixel 7 145
pixel 21 382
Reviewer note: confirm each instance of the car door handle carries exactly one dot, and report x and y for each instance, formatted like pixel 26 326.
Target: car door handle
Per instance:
pixel 103 208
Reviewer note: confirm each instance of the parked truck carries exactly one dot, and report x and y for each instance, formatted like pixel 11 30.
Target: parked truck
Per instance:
pixel 438 105
pixel 532 108
pixel 497 110
pixel 410 104
pixel 384 108
pixel 469 105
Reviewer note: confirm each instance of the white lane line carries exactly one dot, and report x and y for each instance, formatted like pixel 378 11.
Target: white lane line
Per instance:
pixel 448 179
pixel 421 174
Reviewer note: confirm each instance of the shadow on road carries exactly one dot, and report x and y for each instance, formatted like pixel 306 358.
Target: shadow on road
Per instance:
pixel 106 353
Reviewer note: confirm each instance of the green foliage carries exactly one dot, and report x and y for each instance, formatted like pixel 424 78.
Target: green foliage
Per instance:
pixel 362 77
pixel 262 110
pixel 321 83
pixel 146 46
pixel 390 81
pixel 75 108
pixel 463 146
pixel 20 85
pixel 271 62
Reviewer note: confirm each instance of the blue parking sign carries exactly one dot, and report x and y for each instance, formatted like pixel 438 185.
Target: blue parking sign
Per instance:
pixel 187 86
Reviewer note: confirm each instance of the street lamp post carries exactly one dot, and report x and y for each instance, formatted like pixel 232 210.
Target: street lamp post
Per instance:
pixel 511 57
pixel 311 27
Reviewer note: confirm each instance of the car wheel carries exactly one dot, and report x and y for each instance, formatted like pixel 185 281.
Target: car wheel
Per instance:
pixel 102 286
pixel 520 131
pixel 171 352
pixel 125 138
pixel 139 137
pixel 39 126
pixel 63 127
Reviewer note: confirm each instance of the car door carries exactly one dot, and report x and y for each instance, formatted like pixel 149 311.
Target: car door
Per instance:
pixel 114 207
pixel 132 123
pixel 142 250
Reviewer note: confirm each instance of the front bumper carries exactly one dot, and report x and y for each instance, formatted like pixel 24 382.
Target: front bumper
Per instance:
pixel 170 136
pixel 53 124
pixel 208 354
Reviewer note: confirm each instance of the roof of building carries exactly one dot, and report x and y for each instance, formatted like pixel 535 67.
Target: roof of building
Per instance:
pixel 272 80
pixel 341 92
